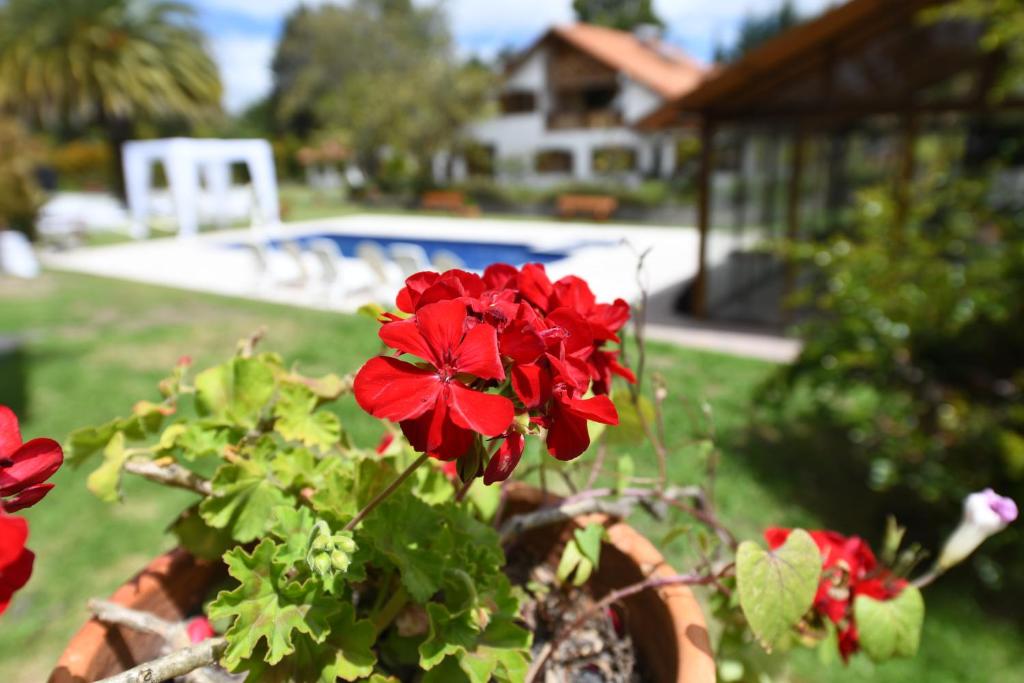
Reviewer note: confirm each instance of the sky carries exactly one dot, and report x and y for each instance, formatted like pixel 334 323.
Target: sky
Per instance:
pixel 243 33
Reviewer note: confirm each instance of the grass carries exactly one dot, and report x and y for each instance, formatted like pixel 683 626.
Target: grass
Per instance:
pixel 95 346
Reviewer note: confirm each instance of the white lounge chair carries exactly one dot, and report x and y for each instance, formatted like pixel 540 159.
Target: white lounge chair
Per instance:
pixel 328 255
pixel 411 258
pixel 295 253
pixel 261 264
pixel 373 256
pixel 445 260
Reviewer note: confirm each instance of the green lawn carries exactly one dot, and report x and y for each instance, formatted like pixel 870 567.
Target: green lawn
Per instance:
pixel 95 346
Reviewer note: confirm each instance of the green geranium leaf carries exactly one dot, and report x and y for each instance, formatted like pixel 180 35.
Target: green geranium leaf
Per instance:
pixel 292 525
pixel 630 429
pixel 105 481
pixel 199 538
pixel 589 541
pixel 299 420
pixel 236 391
pixel 776 588
pixel 575 564
pixel 413 536
pixel 244 497
pixel 449 634
pixel 326 388
pixel 200 439
pixel 890 628
pixel 88 441
pixel 268 607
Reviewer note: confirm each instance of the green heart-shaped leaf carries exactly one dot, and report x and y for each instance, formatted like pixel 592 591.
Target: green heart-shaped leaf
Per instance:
pixel 890 628
pixel 777 587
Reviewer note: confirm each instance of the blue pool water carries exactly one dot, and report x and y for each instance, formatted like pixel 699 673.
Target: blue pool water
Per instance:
pixel 476 255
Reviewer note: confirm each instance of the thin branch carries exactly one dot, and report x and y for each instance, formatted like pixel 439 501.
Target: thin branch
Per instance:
pixel 174 634
pixel 563 513
pixel 379 498
pixel 170 475
pixel 113 613
pixel 177 663
pixel 598 466
pixel 607 601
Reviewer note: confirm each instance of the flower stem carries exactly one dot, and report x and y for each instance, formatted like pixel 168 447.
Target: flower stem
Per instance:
pixel 383 617
pixel 379 498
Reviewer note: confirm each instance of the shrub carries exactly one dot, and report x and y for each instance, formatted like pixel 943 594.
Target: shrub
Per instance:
pixel 20 196
pixel 82 163
pixel 914 350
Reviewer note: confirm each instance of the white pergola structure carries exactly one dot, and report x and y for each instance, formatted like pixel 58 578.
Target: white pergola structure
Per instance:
pixel 186 161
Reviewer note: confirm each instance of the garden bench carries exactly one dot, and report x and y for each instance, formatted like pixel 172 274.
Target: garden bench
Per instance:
pixel 598 207
pixel 449 201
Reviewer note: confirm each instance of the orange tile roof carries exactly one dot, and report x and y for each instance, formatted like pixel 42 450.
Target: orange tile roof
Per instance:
pixel 665 69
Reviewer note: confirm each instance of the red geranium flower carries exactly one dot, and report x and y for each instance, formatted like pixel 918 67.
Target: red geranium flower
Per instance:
pixel 434 404
pixel 15 559
pixel 24 467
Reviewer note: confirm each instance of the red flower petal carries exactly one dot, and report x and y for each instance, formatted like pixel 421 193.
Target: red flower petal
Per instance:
pixel 442 325
pixel 487 414
pixel 532 384
pixel 435 433
pixel 505 459
pixel 13 534
pixel 409 297
pixel 26 498
pixel 10 435
pixel 521 342
pixel 776 536
pixel 14 576
pixel 567 435
pixel 535 287
pixel 500 276
pixel 597 408
pixel 394 390
pixel 478 354
pixel 34 463
pixel 405 336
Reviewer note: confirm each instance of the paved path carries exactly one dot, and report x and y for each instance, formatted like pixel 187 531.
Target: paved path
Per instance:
pixel 768 347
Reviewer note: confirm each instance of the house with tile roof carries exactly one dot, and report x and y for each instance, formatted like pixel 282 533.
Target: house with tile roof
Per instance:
pixel 567 108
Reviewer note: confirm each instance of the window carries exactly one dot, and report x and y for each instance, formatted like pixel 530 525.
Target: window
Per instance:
pixel 517 102
pixel 554 161
pixel 614 159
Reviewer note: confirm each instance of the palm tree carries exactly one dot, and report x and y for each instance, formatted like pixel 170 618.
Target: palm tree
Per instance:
pixel 110 63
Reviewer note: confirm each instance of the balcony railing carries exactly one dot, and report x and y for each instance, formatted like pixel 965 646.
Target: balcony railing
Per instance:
pixel 597 118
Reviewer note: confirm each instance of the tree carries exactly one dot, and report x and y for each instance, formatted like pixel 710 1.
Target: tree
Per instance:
pixel 110 63
pixel 624 15
pixel 757 29
pixel 381 71
pixel 1004 33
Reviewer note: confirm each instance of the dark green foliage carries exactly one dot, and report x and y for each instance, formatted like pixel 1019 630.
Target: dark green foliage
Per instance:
pixel 624 15
pixel 333 73
pixel 757 29
pixel 914 355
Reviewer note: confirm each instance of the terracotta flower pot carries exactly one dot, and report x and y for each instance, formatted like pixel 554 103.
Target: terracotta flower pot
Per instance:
pixel 666 624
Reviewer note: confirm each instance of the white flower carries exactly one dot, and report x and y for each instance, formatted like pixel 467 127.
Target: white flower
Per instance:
pixel 985 513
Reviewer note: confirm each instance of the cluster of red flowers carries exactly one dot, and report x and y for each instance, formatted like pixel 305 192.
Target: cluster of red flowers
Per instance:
pixel 849 569
pixel 490 348
pixel 24 469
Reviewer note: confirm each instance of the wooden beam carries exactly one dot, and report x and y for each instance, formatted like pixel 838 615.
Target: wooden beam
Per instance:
pixel 704 203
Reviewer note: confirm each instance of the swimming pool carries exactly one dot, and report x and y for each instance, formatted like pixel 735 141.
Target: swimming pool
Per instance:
pixel 476 255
